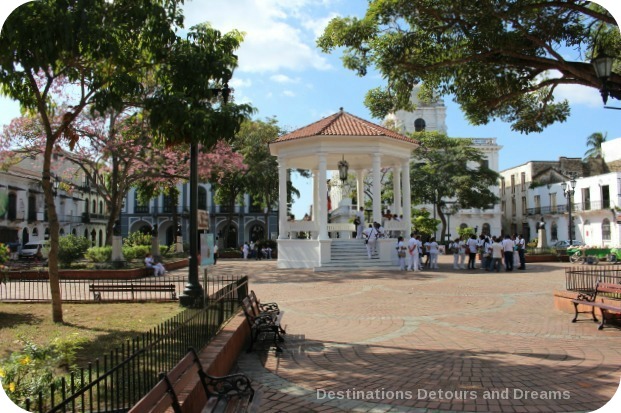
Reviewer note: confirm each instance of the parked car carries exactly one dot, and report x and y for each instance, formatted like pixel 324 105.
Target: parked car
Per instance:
pixel 30 250
pixel 565 244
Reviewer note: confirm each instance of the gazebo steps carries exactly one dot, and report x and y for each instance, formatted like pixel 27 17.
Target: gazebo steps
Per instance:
pixel 351 255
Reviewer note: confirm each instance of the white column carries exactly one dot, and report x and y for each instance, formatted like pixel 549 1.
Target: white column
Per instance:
pixel 407 197
pixel 397 189
pixel 360 187
pixel 377 188
pixel 322 211
pixel 282 199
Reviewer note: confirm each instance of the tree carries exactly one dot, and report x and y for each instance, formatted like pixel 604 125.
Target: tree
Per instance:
pixel 499 58
pixel 262 177
pixel 191 106
pixel 450 169
pixel 95 52
pixel 594 143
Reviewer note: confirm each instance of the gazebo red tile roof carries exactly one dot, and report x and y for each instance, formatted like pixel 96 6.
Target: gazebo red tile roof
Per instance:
pixel 342 124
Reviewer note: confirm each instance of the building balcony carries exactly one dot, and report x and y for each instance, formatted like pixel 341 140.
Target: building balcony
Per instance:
pixel 88 218
pixel 547 210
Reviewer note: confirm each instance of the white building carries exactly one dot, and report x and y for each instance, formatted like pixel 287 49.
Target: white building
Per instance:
pixel 533 191
pixel 432 117
pixel 23 215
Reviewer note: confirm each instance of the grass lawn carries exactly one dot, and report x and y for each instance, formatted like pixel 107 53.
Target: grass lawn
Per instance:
pixel 104 326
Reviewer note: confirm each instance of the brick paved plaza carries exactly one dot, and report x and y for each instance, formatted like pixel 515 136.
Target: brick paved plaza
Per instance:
pixel 441 340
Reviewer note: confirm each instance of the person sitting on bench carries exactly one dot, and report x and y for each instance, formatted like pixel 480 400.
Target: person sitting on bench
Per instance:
pixel 158 268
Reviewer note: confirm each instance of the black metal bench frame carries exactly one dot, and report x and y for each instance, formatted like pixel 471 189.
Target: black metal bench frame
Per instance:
pixel 267 323
pixel 587 299
pixel 97 289
pixel 230 393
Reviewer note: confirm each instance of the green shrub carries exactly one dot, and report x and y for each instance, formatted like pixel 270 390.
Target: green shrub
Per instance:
pixel 137 238
pixel 72 248
pixel 33 369
pixel 136 252
pixel 99 254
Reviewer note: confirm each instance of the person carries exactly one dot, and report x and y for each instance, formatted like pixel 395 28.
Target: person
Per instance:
pixel 215 253
pixel 158 268
pixel 462 253
pixel 516 254
pixel 454 249
pixel 521 243
pixel 472 251
pixel 360 225
pixel 401 249
pixel 268 251
pixel 371 235
pixel 432 249
pixel 507 245
pixel 497 252
pixel 413 258
pixel 246 250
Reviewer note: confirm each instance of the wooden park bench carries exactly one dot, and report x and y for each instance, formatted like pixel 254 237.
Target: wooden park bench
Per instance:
pixel 267 308
pixel 589 300
pixel 132 288
pixel 267 323
pixel 231 393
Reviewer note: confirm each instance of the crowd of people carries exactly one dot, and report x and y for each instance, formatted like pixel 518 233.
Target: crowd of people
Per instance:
pixel 251 250
pixel 492 252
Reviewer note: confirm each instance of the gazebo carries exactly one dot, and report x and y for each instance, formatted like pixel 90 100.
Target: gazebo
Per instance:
pixel 319 147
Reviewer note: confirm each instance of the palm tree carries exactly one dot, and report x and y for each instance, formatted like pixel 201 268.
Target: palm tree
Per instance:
pixel 594 143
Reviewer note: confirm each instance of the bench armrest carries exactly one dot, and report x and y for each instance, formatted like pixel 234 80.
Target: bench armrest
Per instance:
pixel 227 386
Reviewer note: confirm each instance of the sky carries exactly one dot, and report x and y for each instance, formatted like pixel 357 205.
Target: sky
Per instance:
pixel 284 75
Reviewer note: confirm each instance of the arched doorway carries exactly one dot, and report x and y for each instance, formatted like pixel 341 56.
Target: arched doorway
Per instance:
pixel 257 232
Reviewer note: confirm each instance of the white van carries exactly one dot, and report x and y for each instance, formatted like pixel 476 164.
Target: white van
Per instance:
pixel 29 251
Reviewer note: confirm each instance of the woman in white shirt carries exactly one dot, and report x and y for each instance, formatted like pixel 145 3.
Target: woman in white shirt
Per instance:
pixel 432 248
pixel 401 250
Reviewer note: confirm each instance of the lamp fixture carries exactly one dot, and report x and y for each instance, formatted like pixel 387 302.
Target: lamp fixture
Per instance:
pixel 343 169
pixel 603 69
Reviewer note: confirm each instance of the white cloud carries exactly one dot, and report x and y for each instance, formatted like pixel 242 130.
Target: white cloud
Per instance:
pixel 275 38
pixel 288 93
pixel 317 26
pixel 579 95
pixel 240 83
pixel 280 78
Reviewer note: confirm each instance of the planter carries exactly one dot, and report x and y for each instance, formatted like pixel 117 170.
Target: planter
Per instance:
pixel 546 258
pixel 112 274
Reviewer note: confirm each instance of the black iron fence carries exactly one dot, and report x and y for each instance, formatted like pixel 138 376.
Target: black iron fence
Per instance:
pixel 117 381
pixel 143 289
pixel 584 279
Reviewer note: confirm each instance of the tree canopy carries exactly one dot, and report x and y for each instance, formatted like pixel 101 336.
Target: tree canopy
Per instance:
pixel 446 169
pixel 501 59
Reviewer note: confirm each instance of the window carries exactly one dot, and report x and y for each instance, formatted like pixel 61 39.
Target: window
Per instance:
pixel 586 199
pixel 138 207
pixel 486 229
pixel 485 164
pixel 606 229
pixel 513 184
pixel 168 204
pixel 101 207
pixel 523 205
pixel 513 207
pixel 523 180
pixel 202 198
pixel 503 206
pixel 419 125
pixel 553 203
pixel 502 185
pixel 605 196
pixel 554 231
pixel 537 204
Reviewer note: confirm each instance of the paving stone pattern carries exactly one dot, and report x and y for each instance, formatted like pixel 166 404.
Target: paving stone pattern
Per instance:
pixel 432 341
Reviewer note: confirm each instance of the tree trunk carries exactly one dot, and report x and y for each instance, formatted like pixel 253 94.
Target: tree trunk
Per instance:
pixel 57 311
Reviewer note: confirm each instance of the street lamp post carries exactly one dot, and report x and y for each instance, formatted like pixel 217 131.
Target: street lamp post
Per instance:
pixel 193 293
pixel 568 191
pixel 448 210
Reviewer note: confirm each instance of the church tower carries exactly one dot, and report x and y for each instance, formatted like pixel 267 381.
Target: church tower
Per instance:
pixel 431 116
pixel 427 116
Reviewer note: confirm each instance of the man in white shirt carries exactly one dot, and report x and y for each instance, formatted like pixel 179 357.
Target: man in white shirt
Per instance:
pixel 413 256
pixel 507 246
